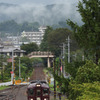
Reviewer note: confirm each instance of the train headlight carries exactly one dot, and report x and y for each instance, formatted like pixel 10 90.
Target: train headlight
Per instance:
pixel 45 99
pixel 38 85
pixel 38 99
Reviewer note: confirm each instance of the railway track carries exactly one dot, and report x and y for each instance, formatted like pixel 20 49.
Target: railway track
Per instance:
pixel 38 74
pixel 18 92
pixel 10 93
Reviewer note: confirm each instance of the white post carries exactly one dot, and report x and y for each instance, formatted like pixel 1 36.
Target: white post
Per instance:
pixel 48 62
pixel 19 69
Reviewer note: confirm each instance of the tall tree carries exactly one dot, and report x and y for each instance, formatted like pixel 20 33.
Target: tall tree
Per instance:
pixel 44 44
pixel 88 35
pixel 56 38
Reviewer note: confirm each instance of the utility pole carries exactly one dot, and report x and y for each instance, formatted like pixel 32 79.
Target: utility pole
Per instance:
pixel 12 75
pixel 64 50
pixel 61 60
pixel 54 80
pixel 63 57
pixel 19 69
pixel 68 49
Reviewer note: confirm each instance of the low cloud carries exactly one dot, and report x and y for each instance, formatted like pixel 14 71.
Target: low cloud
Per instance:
pixel 43 14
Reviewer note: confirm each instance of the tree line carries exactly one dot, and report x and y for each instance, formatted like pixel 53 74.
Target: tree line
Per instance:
pixel 14 28
pixel 11 27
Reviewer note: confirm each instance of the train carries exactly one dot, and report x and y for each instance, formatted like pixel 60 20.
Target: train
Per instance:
pixel 38 90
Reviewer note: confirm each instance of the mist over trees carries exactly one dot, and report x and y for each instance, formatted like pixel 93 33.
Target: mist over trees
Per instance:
pixel 17 18
pixel 14 28
pixel 43 14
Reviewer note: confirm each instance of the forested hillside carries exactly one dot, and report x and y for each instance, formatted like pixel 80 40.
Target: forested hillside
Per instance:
pixel 17 18
pixel 14 28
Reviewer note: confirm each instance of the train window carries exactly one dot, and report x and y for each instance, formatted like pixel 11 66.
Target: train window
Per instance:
pixel 38 93
pixel 45 92
pixel 30 91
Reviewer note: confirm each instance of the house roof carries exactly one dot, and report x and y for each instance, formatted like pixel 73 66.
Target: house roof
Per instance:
pixel 10 50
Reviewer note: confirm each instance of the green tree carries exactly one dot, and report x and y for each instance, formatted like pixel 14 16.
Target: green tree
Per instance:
pixel 29 47
pixel 3 60
pixel 36 61
pixel 84 91
pixel 90 72
pixel 9 26
pixel 88 35
pixel 26 26
pixel 73 67
pixel 7 70
pixel 56 38
pixel 14 28
pixel 44 44
pixel 25 65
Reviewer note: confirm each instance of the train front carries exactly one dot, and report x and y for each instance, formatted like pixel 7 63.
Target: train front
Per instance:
pixel 38 91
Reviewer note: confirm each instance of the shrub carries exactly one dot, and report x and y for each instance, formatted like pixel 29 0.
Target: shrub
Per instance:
pixel 89 72
pixel 85 91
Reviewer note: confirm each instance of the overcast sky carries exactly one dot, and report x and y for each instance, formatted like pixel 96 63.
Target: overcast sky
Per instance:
pixel 38 1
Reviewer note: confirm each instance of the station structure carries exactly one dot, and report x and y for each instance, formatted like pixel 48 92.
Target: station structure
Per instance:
pixel 40 54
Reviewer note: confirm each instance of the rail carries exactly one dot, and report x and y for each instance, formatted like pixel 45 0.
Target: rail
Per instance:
pixel 11 93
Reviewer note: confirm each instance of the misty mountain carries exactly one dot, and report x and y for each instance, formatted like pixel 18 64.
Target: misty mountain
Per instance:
pixel 3 14
pixel 45 15
pixel 7 5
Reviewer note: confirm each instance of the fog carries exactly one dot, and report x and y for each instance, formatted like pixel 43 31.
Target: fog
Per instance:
pixel 43 14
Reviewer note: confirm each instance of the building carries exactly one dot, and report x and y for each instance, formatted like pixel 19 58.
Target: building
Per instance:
pixel 15 40
pixel 9 48
pixel 16 52
pixel 35 36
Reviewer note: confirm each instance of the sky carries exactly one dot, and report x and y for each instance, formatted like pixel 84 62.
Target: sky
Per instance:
pixel 44 2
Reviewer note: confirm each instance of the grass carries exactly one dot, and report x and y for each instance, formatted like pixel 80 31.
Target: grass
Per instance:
pixel 3 87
